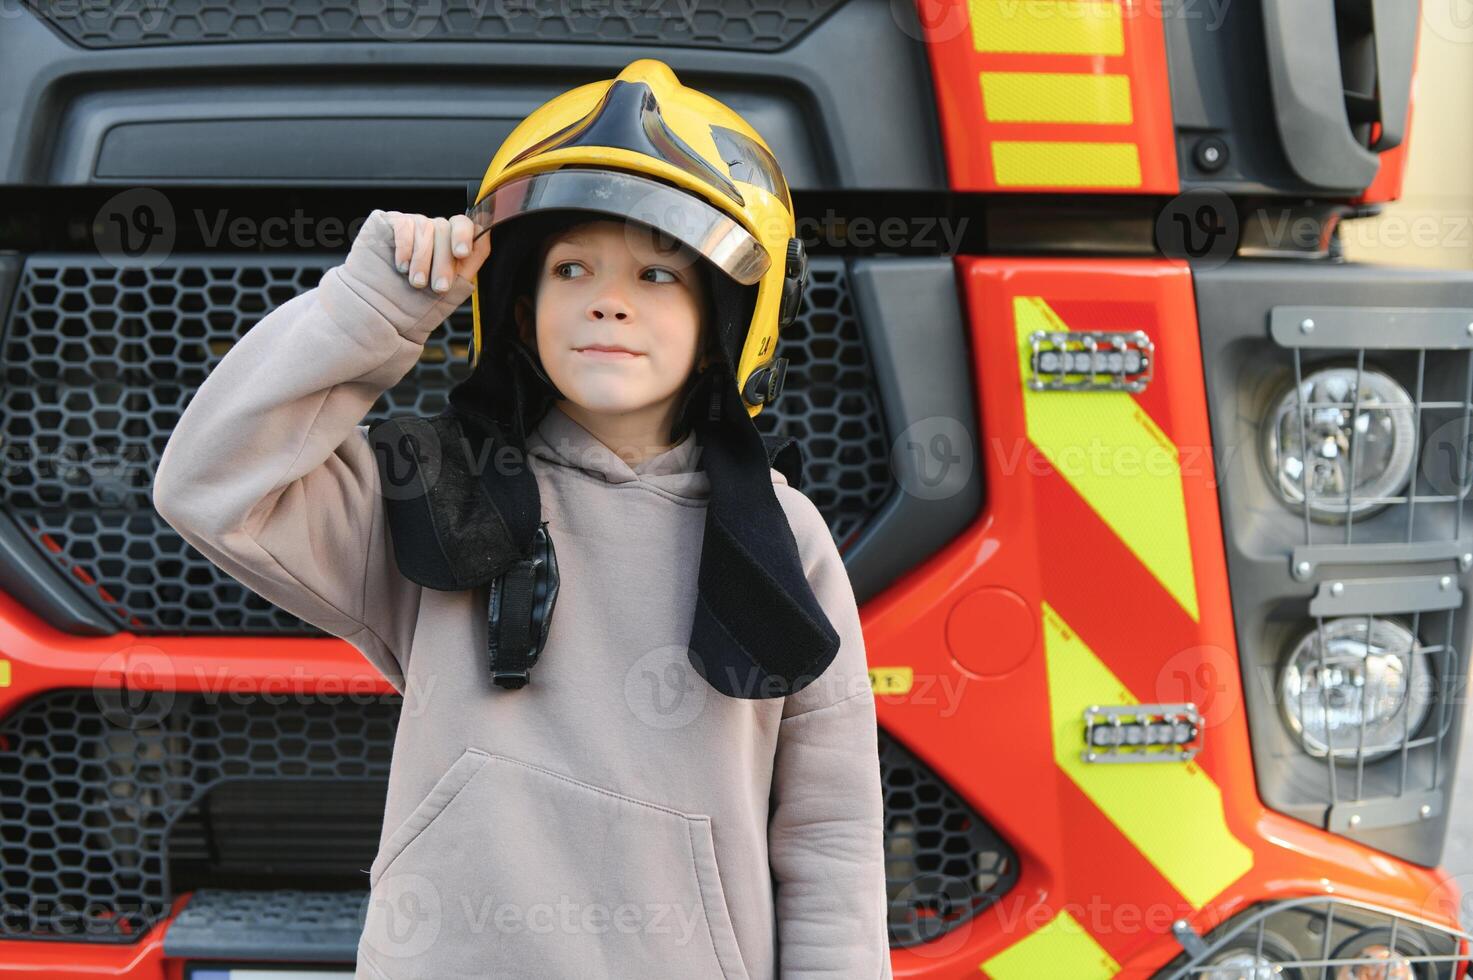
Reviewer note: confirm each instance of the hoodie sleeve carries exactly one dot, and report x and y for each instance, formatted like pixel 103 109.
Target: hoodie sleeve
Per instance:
pixel 826 845
pixel 269 474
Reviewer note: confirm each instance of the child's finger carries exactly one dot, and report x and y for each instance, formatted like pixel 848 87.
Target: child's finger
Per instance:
pixel 403 239
pixel 441 261
pixel 480 248
pixel 424 244
pixel 480 252
pixel 461 231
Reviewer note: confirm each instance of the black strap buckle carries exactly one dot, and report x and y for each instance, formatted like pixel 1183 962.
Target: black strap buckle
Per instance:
pixel 519 613
pixel 764 384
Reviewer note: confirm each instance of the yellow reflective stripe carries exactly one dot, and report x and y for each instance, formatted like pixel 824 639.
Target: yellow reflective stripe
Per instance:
pixel 1062 948
pixel 1060 163
pixel 4 673
pixel 891 680
pixel 1056 97
pixel 1047 26
pixel 1116 458
pixel 1171 811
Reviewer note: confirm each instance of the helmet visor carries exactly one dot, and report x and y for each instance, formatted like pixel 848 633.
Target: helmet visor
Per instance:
pixel 688 219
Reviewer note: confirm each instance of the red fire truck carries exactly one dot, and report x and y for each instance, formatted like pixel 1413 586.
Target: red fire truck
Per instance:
pixel 1153 501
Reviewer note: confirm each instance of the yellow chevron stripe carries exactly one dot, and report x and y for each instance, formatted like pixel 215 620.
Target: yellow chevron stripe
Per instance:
pixel 1171 811
pixel 1062 948
pixel 1061 163
pixel 1116 458
pixel 1056 97
pixel 1047 26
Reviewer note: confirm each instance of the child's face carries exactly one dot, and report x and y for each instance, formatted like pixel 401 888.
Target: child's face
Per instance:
pixel 607 283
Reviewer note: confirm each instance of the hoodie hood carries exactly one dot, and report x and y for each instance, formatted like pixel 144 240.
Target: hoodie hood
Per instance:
pixel 562 440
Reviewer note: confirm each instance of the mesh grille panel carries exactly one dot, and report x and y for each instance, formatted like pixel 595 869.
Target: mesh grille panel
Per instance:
pixel 99 363
pixel 757 25
pixel 943 863
pixel 93 783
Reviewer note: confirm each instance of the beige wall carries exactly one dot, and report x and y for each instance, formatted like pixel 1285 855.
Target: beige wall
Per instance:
pixel 1432 223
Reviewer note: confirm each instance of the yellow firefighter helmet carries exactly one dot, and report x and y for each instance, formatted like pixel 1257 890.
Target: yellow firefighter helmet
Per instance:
pixel 646 148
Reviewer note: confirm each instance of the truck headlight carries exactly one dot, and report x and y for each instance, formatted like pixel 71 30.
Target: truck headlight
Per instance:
pixel 1380 963
pixel 1243 964
pixel 1313 446
pixel 1379 682
pixel 1261 958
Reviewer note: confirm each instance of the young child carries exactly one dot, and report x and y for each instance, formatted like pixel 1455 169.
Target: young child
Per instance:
pixel 638 737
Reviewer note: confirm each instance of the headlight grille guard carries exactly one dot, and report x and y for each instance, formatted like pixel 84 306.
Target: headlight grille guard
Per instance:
pixel 1435 951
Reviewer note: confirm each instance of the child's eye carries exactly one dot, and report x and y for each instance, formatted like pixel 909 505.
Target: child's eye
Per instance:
pixel 673 276
pixel 556 269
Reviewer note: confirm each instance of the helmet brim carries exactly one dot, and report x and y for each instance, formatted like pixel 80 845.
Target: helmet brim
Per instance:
pixel 706 229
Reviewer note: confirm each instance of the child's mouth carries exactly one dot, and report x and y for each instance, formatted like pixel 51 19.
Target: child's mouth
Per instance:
pixel 601 354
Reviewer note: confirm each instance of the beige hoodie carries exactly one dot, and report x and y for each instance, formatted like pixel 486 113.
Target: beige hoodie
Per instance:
pixel 616 817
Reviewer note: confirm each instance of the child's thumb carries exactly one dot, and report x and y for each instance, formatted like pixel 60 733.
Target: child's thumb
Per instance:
pixel 480 252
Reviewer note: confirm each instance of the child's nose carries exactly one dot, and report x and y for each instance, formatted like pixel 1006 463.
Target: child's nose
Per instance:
pixel 610 305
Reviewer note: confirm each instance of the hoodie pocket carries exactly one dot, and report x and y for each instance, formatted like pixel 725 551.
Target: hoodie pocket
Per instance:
pixel 511 869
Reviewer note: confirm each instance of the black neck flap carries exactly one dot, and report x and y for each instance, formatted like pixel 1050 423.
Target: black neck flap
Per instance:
pixel 460 509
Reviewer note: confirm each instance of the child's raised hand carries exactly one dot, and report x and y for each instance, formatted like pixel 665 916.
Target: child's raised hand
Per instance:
pixel 433 251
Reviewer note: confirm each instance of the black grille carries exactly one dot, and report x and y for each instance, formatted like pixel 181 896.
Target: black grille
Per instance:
pixel 943 863
pixel 100 791
pixel 756 25
pixel 93 782
pixel 280 924
pixel 100 361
